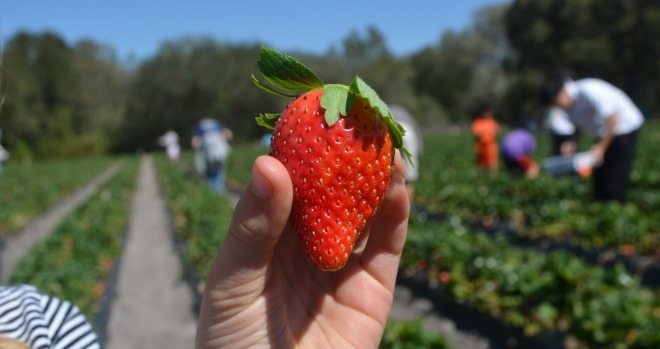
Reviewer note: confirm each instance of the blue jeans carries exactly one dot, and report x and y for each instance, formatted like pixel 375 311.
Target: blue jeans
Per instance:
pixel 216 180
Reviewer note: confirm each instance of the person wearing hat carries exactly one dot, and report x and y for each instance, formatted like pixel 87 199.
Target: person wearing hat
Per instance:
pixel 600 109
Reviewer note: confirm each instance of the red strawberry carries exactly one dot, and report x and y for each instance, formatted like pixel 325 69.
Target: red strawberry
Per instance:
pixel 337 142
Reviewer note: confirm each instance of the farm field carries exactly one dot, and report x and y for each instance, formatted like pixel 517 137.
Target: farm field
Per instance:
pixel 538 293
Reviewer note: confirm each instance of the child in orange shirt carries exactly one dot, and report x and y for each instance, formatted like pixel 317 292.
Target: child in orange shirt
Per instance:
pixel 485 128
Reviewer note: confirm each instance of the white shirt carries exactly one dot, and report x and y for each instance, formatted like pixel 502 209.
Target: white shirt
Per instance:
pixel 595 100
pixel 559 122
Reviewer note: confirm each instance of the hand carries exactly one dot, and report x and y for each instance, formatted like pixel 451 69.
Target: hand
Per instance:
pixel 264 292
pixel 533 171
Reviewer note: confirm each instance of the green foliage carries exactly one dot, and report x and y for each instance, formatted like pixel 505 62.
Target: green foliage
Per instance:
pixel 188 80
pixel 410 335
pixel 533 291
pixel 239 165
pixel 285 72
pixel 74 262
pixel 71 146
pixel 337 101
pixel 27 189
pixel 267 120
pixel 56 92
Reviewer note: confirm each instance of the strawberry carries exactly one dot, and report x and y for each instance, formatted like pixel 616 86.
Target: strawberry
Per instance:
pixel 337 143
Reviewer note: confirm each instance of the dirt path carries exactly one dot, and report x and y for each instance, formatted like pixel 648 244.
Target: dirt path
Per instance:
pixel 17 245
pixel 153 305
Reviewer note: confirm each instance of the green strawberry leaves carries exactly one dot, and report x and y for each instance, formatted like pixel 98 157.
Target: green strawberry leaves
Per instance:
pixel 285 76
pixel 337 100
pixel 285 73
pixel 359 87
pixel 267 120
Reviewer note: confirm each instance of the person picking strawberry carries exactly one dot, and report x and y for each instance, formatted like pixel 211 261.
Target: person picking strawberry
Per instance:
pixel 265 287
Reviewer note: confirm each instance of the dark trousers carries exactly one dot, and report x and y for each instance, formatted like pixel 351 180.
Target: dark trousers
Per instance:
pixel 612 178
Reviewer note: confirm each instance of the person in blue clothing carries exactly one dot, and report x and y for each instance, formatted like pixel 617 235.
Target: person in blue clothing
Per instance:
pixel 211 143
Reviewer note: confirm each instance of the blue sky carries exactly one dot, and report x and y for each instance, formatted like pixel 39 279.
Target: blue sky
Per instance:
pixel 138 27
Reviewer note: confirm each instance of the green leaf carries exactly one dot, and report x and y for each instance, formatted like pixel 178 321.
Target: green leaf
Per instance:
pixel 286 73
pixel 267 120
pixel 360 87
pixel 337 100
pixel 546 313
pixel 270 89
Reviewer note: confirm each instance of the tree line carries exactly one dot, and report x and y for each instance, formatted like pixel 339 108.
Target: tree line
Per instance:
pixel 65 99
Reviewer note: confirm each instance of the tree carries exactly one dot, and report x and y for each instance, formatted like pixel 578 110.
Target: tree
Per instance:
pixel 59 100
pixel 100 102
pixel 465 67
pixel 613 40
pixel 190 79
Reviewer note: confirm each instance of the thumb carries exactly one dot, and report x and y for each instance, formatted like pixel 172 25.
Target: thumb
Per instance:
pixel 259 220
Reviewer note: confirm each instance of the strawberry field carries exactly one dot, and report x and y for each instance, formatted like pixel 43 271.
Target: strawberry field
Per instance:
pixel 535 257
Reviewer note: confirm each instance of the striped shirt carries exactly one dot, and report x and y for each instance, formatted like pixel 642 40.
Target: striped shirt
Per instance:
pixel 43 322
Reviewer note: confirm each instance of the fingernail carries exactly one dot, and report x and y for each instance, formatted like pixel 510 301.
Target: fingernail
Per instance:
pixel 261 187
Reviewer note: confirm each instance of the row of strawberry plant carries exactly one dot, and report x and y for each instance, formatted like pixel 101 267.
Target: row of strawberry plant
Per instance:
pixel 411 334
pixel 73 263
pixel 201 216
pixel 533 291
pixel 26 189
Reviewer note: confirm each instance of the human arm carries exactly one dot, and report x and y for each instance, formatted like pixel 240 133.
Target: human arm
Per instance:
pixel 529 166
pixel 263 291
pixel 599 149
